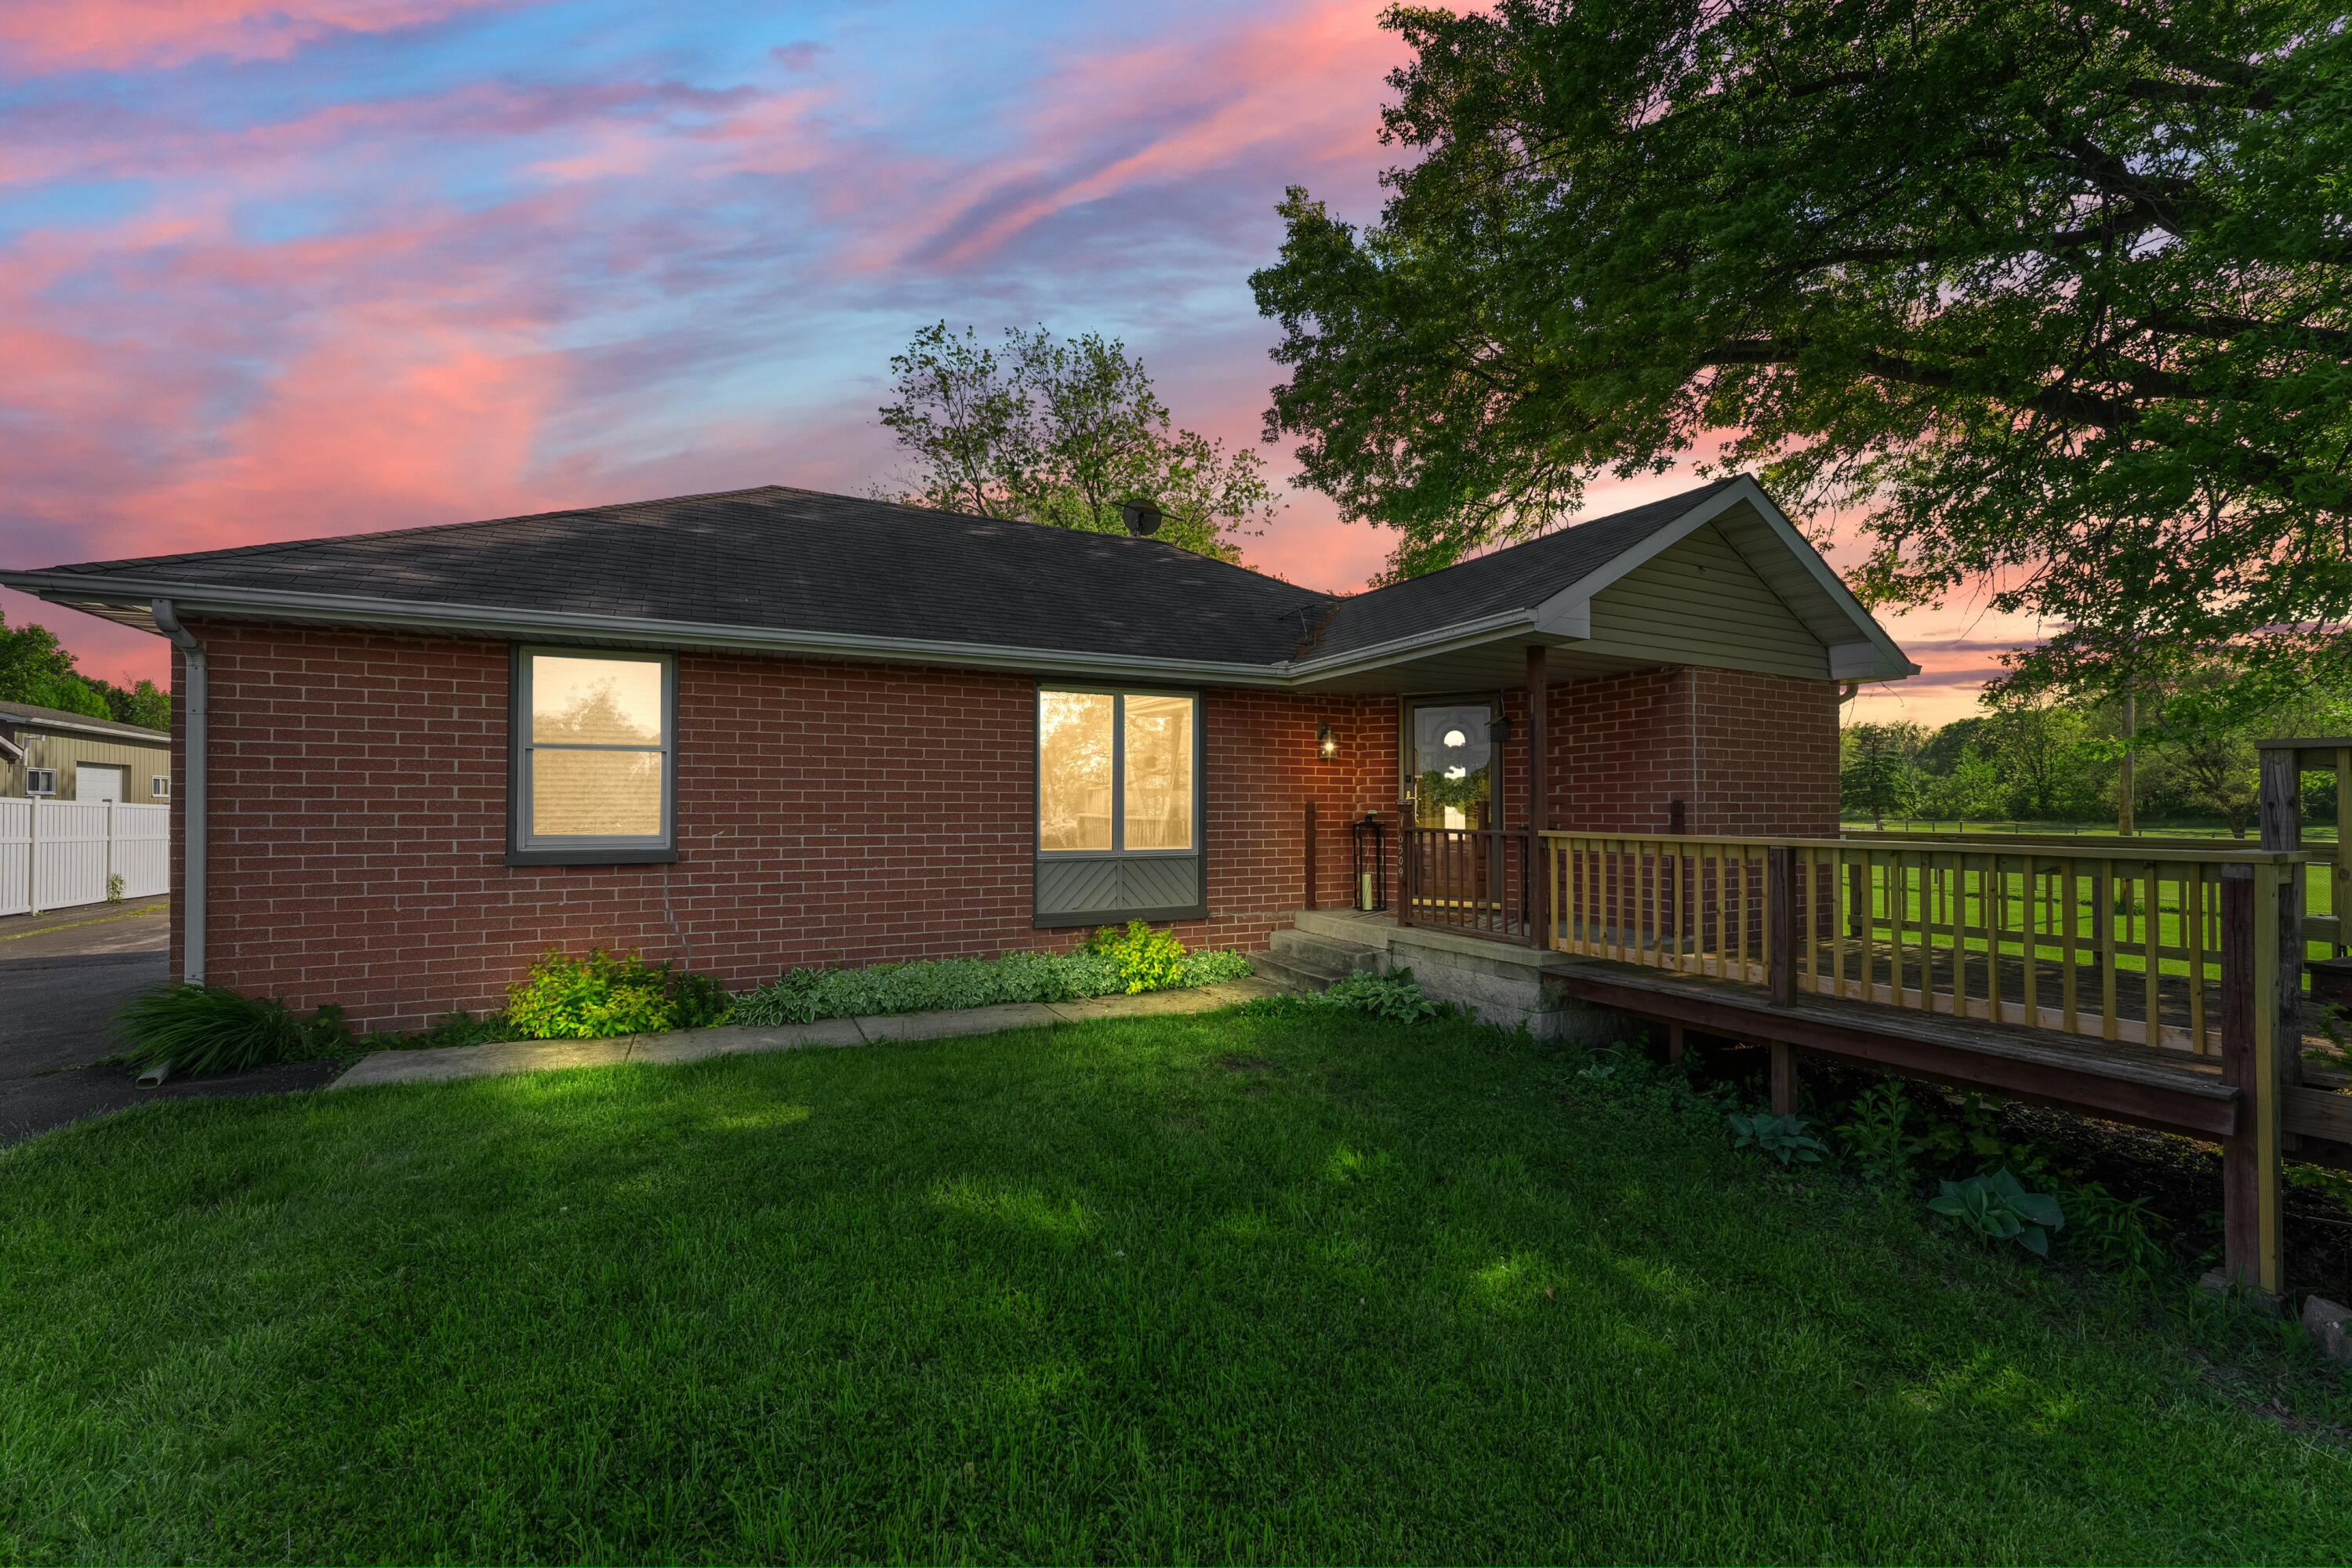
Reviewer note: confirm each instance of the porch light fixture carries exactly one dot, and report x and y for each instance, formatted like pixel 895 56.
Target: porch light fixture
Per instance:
pixel 1499 731
pixel 1326 741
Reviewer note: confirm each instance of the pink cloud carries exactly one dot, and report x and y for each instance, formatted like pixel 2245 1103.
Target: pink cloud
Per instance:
pixel 1309 83
pixel 110 34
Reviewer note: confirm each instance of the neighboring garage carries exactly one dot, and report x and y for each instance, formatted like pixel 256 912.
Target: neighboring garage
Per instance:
pixel 48 753
pixel 84 809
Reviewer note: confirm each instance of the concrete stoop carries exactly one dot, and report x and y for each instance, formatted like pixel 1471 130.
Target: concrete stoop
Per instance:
pixel 1310 960
pixel 1499 983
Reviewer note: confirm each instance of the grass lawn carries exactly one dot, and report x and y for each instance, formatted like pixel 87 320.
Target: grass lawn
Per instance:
pixel 1238 1286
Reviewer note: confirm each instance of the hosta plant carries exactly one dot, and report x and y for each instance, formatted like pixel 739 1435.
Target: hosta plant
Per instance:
pixel 1998 1208
pixel 1784 1138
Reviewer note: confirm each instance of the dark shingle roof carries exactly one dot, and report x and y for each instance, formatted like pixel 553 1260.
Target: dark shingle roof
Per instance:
pixel 782 560
pixel 1518 578
pixel 788 560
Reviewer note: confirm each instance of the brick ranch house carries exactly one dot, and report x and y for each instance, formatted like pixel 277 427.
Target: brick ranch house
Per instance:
pixel 771 728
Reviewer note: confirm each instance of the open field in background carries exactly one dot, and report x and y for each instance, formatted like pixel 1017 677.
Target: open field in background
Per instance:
pixel 2318 886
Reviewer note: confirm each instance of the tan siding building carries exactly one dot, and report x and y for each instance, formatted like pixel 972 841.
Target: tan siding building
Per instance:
pixel 75 757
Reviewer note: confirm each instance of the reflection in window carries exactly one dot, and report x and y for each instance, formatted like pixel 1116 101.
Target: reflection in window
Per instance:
pixel 595 766
pixel 1115 773
pixel 1074 769
pixel 1159 773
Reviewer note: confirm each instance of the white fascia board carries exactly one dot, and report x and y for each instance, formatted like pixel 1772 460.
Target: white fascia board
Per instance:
pixel 1402 650
pixel 1889 662
pixel 497 623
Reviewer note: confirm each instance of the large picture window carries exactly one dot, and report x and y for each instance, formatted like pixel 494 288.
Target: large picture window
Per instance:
pixel 1115 772
pixel 593 774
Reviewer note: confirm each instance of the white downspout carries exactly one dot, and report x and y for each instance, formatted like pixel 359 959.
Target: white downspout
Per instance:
pixel 191 705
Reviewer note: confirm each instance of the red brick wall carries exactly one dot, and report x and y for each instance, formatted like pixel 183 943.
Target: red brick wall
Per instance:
pixel 836 813
pixel 1746 754
pixel 827 813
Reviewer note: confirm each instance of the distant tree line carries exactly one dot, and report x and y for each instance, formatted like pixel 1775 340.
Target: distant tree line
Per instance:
pixel 2061 760
pixel 35 668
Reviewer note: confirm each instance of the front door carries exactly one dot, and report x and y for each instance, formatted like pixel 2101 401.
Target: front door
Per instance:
pixel 93 781
pixel 1450 777
pixel 1449 788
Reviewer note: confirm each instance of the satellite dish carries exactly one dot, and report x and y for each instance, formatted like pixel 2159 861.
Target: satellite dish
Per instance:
pixel 1142 518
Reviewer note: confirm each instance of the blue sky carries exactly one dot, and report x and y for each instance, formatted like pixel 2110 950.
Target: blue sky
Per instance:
pixel 301 267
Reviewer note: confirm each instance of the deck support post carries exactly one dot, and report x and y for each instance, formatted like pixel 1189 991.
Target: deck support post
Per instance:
pixel 2251 1249
pixel 1784 1079
pixel 1538 877
pixel 1676 1045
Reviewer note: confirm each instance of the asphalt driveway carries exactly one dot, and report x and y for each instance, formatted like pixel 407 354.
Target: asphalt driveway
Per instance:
pixel 62 975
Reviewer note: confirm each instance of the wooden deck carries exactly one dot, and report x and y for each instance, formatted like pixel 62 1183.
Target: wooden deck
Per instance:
pixel 2151 1085
pixel 2148 1085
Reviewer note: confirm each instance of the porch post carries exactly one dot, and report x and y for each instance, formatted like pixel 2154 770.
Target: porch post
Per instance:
pixel 1538 818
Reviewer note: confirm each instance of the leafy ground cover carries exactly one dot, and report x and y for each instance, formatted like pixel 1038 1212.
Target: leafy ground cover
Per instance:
pixel 1283 1282
pixel 1113 963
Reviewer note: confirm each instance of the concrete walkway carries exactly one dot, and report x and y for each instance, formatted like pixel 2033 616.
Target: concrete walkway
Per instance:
pixel 695 1045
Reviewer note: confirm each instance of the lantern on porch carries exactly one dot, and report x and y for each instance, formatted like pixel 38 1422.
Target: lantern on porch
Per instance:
pixel 1370 843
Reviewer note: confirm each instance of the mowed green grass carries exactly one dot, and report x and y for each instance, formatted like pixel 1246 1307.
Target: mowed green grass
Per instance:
pixel 1229 1287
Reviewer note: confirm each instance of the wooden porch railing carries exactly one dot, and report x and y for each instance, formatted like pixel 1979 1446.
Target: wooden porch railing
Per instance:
pixel 1471 879
pixel 2327 873
pixel 2120 941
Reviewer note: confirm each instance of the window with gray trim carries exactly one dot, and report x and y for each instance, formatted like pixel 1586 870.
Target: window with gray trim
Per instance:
pixel 594 771
pixel 1115 772
pixel 40 781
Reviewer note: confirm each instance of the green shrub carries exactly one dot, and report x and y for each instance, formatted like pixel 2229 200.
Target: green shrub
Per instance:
pixel 1998 1208
pixel 566 998
pixel 200 1029
pixel 1879 1137
pixel 1147 960
pixel 1396 997
pixel 2118 1233
pixel 925 985
pixel 1784 1138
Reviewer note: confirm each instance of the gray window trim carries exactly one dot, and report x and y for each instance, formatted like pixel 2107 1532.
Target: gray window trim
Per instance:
pixel 49 794
pixel 159 785
pixel 522 848
pixel 1119 849
pixel 1199 853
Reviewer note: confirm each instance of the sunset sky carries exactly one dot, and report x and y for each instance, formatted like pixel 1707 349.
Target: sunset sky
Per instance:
pixel 272 268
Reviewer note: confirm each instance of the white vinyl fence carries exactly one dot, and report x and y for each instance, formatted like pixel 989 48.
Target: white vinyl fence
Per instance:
pixel 54 854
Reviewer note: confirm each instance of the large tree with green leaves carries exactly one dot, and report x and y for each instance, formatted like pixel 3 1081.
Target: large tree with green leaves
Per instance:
pixel 2051 294
pixel 36 668
pixel 1063 432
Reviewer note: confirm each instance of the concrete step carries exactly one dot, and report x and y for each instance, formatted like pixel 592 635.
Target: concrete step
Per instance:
pixel 1290 974
pixel 1334 955
pixel 1344 925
